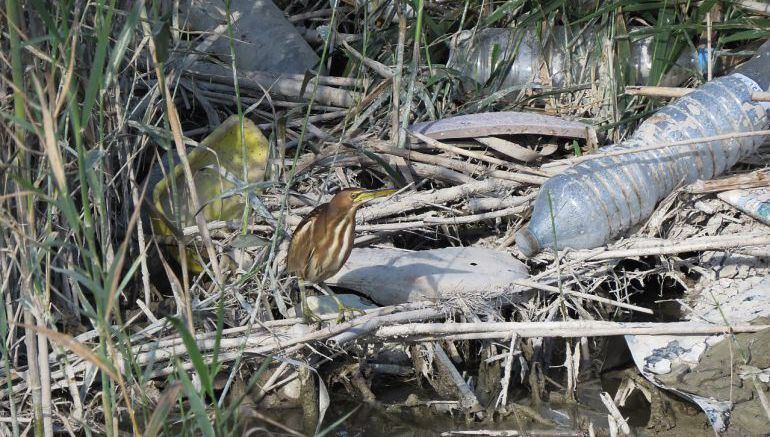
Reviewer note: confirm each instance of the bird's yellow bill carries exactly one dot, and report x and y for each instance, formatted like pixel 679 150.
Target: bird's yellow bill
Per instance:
pixel 366 196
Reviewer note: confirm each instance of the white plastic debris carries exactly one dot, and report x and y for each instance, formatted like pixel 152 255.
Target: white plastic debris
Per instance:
pixel 393 276
pixel 658 356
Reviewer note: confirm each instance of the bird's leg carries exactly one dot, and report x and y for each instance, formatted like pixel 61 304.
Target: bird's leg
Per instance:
pixel 342 309
pixel 307 314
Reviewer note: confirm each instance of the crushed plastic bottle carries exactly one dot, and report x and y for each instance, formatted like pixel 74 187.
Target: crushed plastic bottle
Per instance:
pixel 599 199
pixel 476 55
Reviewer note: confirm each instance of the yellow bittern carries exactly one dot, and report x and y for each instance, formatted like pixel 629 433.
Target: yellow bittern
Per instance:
pixel 324 238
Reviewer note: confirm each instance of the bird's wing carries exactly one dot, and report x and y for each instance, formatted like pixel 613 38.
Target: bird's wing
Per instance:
pixel 301 247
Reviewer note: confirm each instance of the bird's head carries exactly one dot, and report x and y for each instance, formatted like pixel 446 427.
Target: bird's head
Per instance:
pixel 352 198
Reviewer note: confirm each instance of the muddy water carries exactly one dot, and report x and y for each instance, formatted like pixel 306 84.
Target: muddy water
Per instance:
pixel 409 411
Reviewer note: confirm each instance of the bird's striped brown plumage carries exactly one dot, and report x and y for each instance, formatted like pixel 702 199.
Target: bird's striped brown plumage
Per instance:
pixel 324 238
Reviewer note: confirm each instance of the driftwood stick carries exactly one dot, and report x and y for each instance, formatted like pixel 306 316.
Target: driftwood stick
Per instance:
pixel 225 90
pixel 663 247
pixel 759 178
pixel 468 399
pixel 335 81
pixel 566 329
pixel 314 37
pixel 433 221
pixel 326 80
pixel 578 159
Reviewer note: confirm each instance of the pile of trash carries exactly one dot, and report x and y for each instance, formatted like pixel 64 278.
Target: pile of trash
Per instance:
pixel 563 255
pixel 581 217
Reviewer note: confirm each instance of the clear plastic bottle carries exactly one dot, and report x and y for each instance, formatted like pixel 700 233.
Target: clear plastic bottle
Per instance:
pixel 599 199
pixel 562 57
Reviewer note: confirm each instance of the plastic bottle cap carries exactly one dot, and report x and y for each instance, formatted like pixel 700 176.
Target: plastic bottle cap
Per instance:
pixel 527 242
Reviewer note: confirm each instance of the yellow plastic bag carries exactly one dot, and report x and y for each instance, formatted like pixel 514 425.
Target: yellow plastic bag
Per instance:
pixel 221 151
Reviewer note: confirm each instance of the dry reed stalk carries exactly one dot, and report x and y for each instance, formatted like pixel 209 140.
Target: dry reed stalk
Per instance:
pixel 273 337
pixel 276 84
pixel 383 70
pixel 581 295
pixel 502 398
pixel 458 150
pixel 460 166
pixel 397 75
pixel 41 300
pixel 176 131
pixel 406 109
pixel 568 329
pixel 615 413
pixel 477 204
pixel 676 92
pixel 421 199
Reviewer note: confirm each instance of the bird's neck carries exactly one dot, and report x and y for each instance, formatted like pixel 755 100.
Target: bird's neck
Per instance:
pixel 349 213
